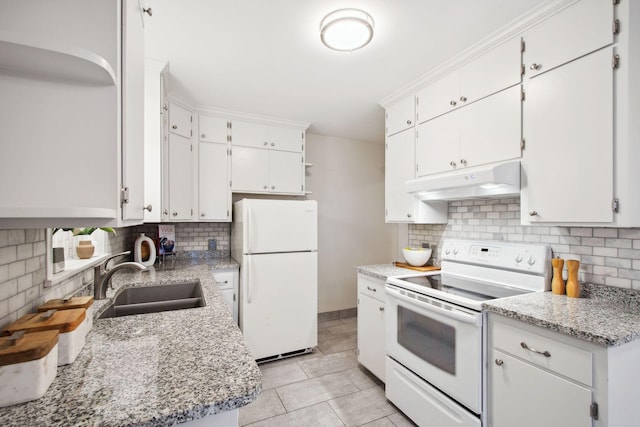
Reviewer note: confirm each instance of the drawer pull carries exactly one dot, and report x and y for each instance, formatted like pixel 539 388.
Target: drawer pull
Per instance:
pixel 533 350
pixel 371 289
pixel 499 362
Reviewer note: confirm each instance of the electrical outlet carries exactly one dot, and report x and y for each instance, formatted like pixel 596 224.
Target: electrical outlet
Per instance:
pixel 425 245
pixel 213 244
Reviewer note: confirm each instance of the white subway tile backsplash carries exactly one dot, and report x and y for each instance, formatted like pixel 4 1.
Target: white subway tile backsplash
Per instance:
pixel 17 237
pixel 8 254
pixel 608 256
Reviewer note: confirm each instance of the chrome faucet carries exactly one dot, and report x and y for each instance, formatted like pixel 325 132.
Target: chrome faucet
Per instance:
pixel 102 274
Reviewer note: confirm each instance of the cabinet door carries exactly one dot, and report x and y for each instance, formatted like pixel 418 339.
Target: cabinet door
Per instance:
pixel 581 28
pixel 133 110
pixel 212 129
pixel 180 178
pixel 249 170
pixel 179 120
pixel 525 396
pixel 491 72
pixel 285 139
pixel 491 129
pixel 401 116
pixel 438 98
pixel 285 172
pixel 214 193
pixel 568 128
pixel 399 167
pixel 438 145
pixel 371 349
pixel 249 134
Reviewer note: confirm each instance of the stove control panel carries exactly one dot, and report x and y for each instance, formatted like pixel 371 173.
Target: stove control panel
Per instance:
pixel 531 258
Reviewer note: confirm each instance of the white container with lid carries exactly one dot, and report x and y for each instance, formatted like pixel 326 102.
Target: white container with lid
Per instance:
pixel 69 323
pixel 28 365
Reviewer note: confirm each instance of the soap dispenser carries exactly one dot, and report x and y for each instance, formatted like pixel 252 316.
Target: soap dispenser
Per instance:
pixel 142 246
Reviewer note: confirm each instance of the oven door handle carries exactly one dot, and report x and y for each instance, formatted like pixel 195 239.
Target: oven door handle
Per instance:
pixel 452 314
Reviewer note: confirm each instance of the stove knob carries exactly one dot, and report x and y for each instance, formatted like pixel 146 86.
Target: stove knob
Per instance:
pixel 519 258
pixel 531 260
pixel 455 251
pixel 447 251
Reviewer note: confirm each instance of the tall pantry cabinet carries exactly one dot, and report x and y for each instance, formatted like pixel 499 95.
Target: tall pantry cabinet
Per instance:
pixel 72 110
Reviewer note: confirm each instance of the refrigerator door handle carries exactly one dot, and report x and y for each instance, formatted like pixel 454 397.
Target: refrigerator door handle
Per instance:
pixel 249 237
pixel 249 281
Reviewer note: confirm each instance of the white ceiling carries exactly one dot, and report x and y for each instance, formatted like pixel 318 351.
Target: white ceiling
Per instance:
pixel 265 57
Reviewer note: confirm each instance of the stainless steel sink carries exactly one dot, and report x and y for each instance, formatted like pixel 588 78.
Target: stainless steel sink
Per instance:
pixel 153 299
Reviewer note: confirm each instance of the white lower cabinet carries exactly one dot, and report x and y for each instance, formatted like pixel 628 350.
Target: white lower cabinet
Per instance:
pixel 538 377
pixel 227 282
pixel 371 337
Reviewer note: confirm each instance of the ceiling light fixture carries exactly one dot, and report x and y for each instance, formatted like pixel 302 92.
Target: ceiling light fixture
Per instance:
pixel 346 29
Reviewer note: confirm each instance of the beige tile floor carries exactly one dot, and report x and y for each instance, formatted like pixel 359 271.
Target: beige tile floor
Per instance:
pixel 326 388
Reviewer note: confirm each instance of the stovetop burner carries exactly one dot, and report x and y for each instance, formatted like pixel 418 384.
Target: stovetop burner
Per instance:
pixel 472 289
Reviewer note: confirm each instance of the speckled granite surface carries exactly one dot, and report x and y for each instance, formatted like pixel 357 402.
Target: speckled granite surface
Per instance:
pixel 382 271
pixel 155 369
pixel 605 315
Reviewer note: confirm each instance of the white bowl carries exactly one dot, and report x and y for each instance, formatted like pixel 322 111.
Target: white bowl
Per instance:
pixel 416 256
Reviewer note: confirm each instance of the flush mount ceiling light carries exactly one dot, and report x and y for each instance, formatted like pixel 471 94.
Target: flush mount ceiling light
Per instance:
pixel 346 29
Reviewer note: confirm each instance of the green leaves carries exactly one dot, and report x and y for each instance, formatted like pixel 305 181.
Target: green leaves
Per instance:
pixel 84 231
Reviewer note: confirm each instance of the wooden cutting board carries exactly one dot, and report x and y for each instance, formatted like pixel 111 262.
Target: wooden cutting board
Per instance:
pixel 411 267
pixel 32 346
pixel 74 302
pixel 62 321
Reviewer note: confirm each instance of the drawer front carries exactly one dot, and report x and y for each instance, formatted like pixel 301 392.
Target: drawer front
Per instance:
pixel 370 286
pixel 564 359
pixel 224 279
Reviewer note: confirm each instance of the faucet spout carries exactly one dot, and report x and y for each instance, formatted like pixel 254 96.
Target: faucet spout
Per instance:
pixel 102 278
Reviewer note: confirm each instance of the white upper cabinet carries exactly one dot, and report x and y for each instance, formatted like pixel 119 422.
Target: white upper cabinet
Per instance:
pixel 401 206
pixel 568 162
pixel 72 107
pixel 213 129
pixel 484 132
pixel 180 120
pixel 400 116
pixel 579 29
pixel 267 158
pixel 214 192
pixel 491 72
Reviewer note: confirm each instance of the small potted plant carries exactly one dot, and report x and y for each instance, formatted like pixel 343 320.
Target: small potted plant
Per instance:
pixel 85 247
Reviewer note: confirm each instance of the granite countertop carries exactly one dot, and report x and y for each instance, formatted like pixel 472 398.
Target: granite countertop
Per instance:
pixel 604 315
pixel 154 369
pixel 383 271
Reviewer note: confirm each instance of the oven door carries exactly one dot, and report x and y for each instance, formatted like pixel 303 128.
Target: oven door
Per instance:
pixel 440 342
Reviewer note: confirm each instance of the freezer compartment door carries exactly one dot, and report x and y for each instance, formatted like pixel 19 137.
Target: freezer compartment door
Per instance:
pixel 279 303
pixel 280 226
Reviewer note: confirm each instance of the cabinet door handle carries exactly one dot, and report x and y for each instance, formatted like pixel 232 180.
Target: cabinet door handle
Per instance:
pixel 265 187
pixel 452 164
pixel 204 135
pixel 175 214
pixel 381 308
pixel 408 215
pixel 148 11
pixel 371 289
pixel 453 103
pixel 166 212
pixel 273 187
pixel 174 127
pixel 463 98
pixel 535 67
pixel 273 144
pixel 266 143
pixel 533 213
pixel 463 162
pixel 533 350
pixel 148 208
pixel 499 362
pixel 203 214
pixel 409 122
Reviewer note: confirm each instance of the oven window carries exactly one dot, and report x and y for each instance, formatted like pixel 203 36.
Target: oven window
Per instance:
pixel 432 341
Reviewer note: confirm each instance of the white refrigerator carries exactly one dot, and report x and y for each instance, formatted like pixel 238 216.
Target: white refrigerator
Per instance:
pixel 276 244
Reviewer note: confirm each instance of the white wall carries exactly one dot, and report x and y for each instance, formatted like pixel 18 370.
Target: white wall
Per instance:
pixel 347 180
